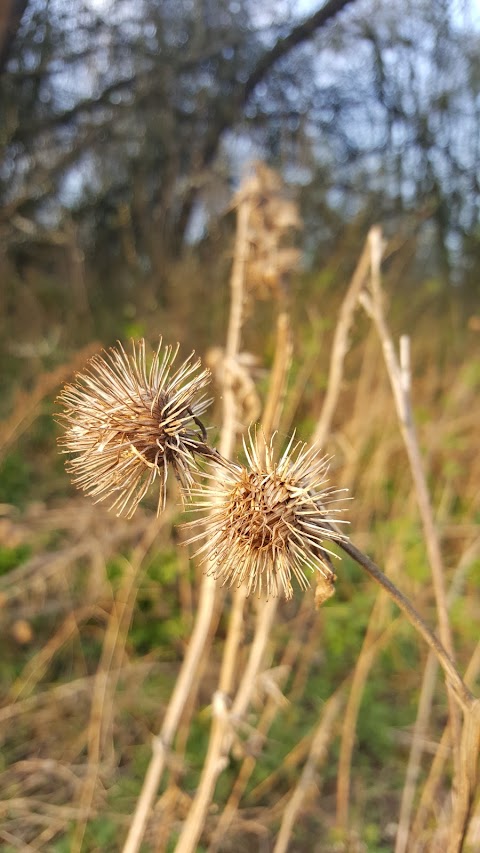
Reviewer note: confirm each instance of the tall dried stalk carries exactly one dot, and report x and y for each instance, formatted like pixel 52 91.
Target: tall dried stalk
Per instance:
pixel 349 724
pixel 208 592
pixel 429 795
pixel 399 375
pixel 223 729
pixel 423 715
pixel 106 678
pixel 464 744
pixel 317 755
pixel 224 721
pixel 269 712
pixel 340 347
pixel 266 234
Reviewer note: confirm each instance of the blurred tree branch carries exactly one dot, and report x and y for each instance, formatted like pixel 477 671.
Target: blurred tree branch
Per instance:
pixel 11 12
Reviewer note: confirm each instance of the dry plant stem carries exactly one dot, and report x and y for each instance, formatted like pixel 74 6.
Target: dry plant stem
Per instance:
pixel 349 725
pixel 265 616
pixel 208 590
pixel 266 719
pixel 102 709
pixel 467 780
pixel 424 709
pixel 232 643
pixel 465 776
pixel 399 375
pixel 318 754
pixel 278 383
pixel 416 752
pixel 232 346
pixel 461 692
pixel 221 737
pixel 162 742
pixel 429 796
pixel 340 347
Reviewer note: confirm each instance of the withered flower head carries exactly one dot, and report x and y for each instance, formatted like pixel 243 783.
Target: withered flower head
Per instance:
pixel 127 423
pixel 268 520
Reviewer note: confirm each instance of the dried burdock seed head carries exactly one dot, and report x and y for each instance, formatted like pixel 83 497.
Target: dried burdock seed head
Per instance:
pixel 268 520
pixel 127 423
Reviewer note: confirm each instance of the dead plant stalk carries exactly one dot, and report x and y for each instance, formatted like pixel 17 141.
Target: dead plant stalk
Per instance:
pixel 465 740
pixel 224 721
pixel 208 592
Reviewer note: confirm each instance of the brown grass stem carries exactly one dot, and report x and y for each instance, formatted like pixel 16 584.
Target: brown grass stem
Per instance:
pixel 400 380
pixel 349 726
pixel 317 756
pixel 269 712
pixel 278 381
pixel 103 705
pixel 208 592
pixel 222 731
pixel 163 742
pixel 429 795
pixel 340 347
pixel 424 709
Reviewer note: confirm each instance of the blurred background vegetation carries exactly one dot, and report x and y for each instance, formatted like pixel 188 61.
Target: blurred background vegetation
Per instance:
pixel 125 129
